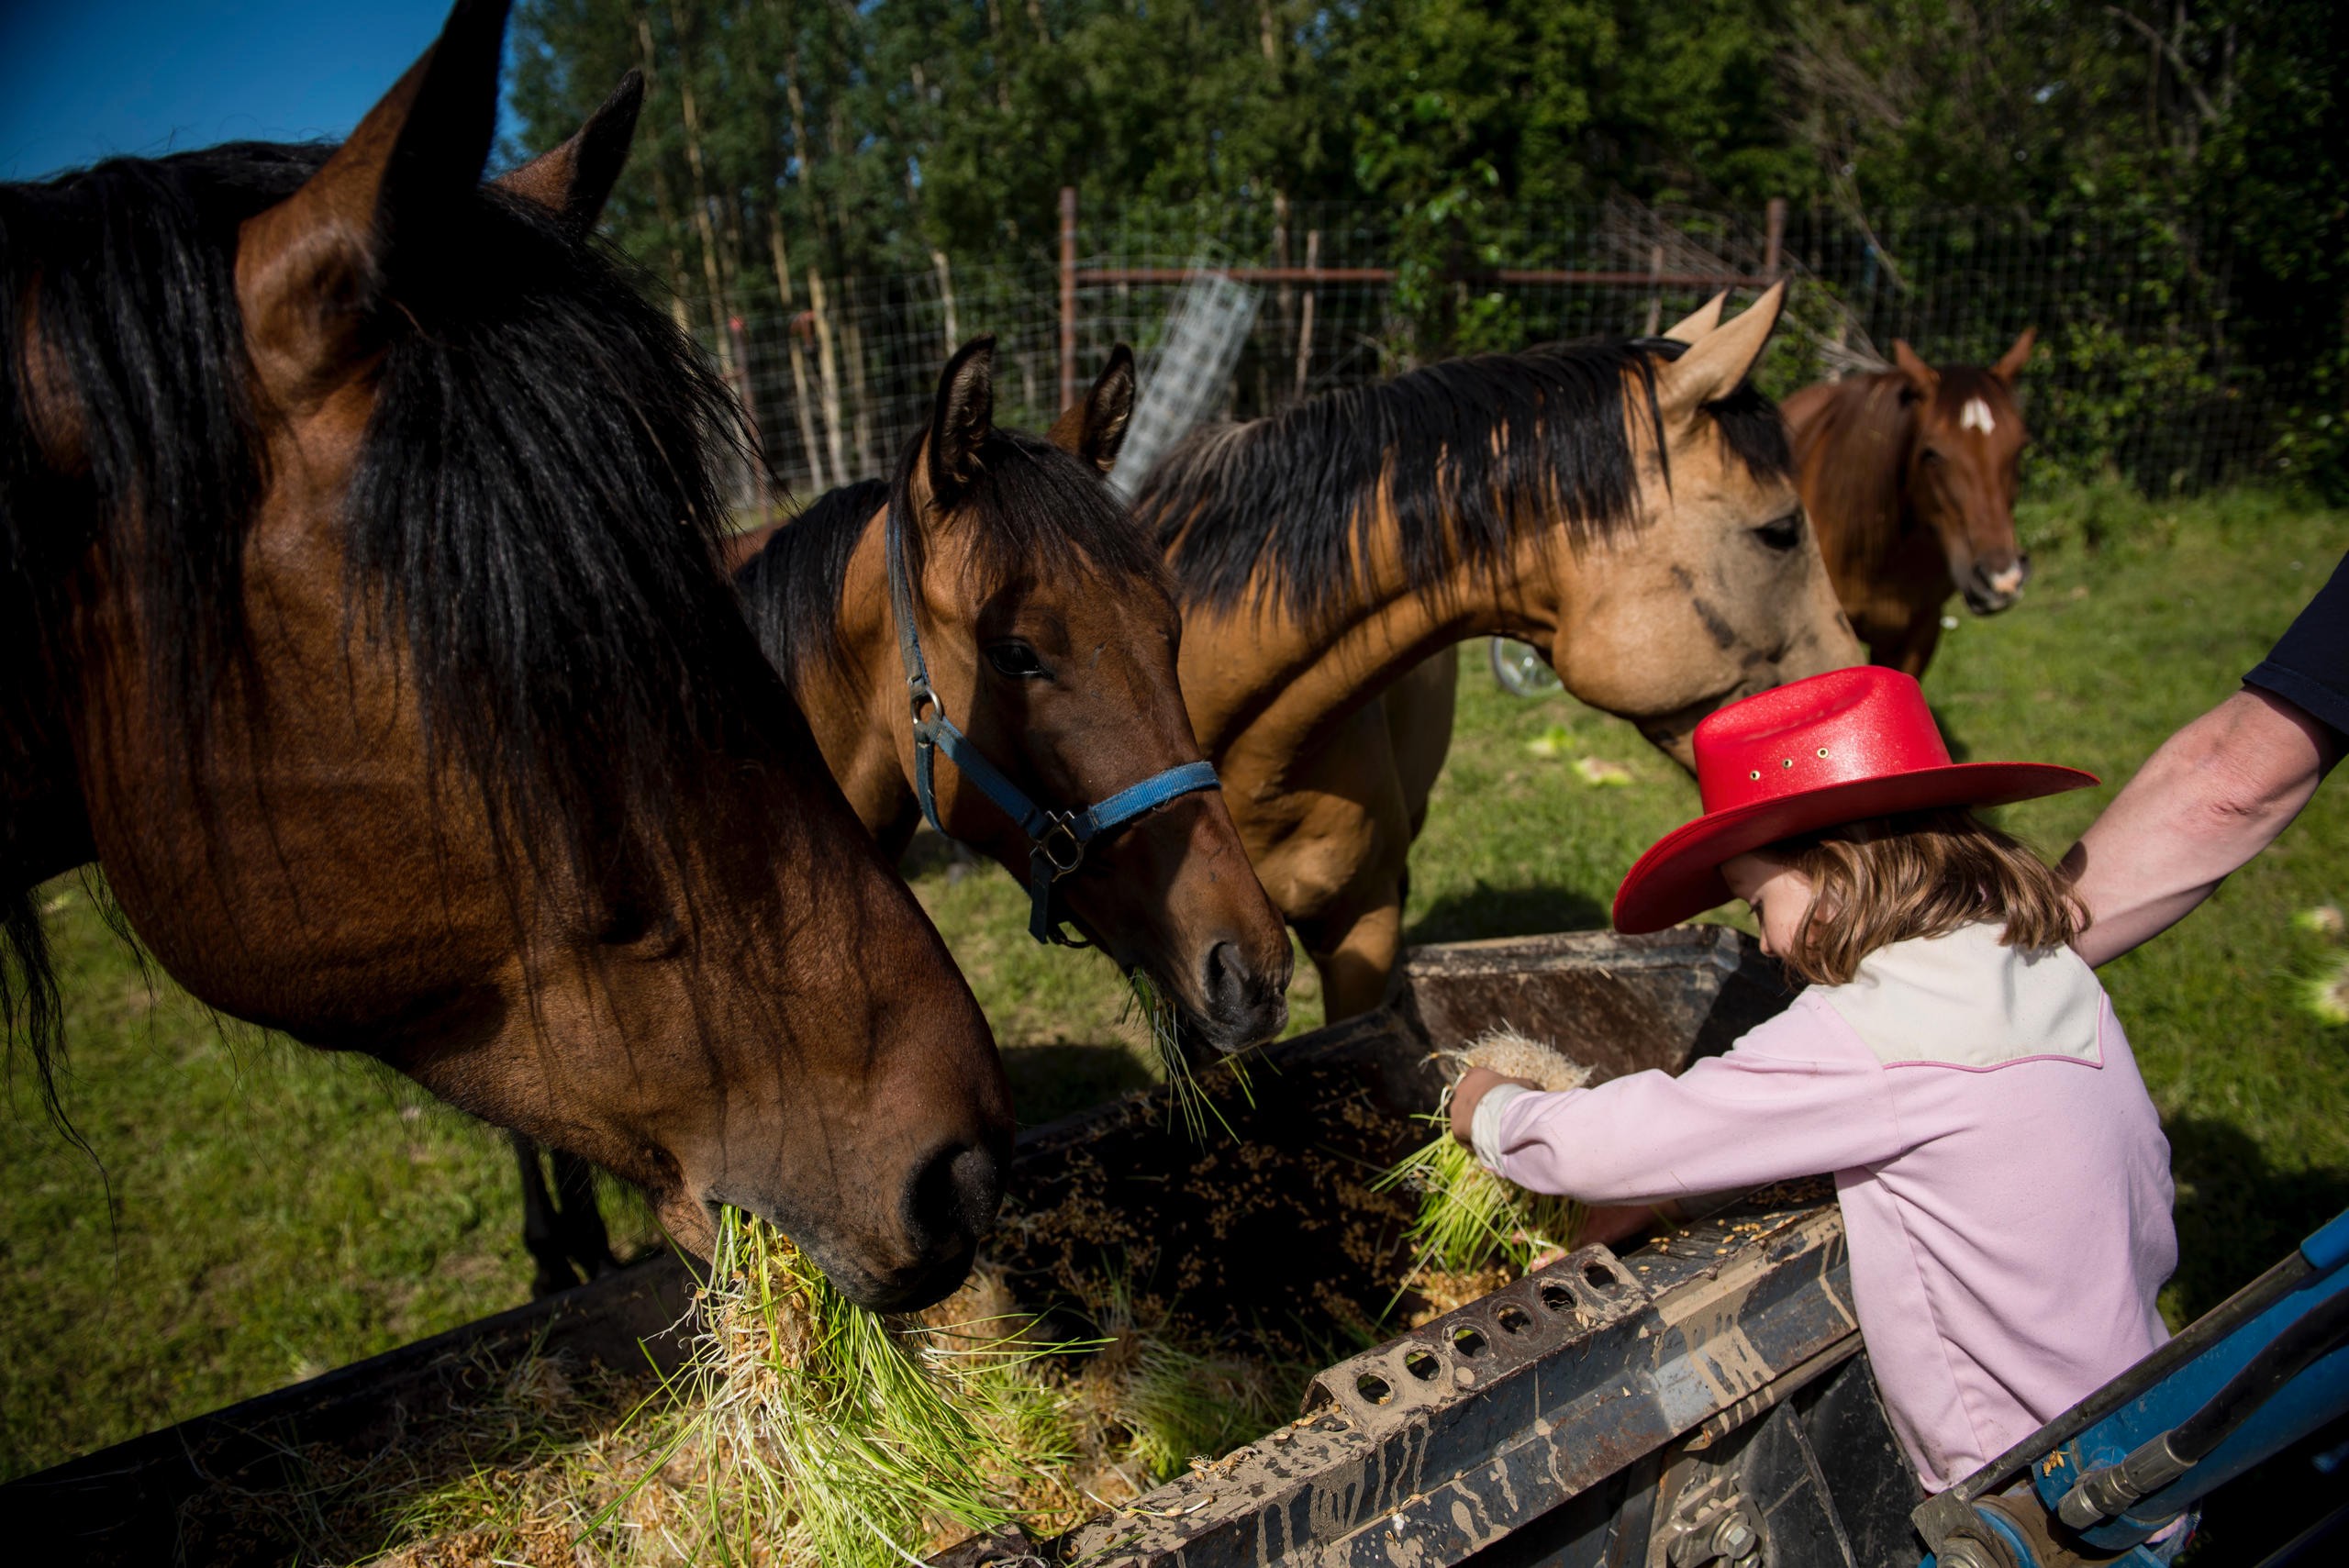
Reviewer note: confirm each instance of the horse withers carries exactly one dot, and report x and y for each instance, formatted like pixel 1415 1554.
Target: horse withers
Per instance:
pixel 1910 476
pixel 1043 625
pixel 1628 507
pixel 365 626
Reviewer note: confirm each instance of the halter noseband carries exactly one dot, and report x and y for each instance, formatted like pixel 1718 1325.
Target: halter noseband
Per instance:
pixel 1057 839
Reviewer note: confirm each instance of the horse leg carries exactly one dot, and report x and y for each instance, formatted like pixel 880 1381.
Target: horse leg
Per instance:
pixel 539 1233
pixel 578 1218
pixel 1418 710
pixel 1357 958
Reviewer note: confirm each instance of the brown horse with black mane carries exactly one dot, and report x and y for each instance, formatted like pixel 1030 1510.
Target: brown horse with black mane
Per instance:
pixel 1910 475
pixel 359 596
pixel 1627 507
pixel 1048 634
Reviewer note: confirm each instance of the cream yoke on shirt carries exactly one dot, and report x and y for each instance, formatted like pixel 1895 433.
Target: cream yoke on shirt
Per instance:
pixel 1964 1000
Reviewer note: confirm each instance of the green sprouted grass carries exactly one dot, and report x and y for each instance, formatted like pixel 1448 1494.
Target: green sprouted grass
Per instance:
pixel 1470 1218
pixel 1188 1096
pixel 847 1436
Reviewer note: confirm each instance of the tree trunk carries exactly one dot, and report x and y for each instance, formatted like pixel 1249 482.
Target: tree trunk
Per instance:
pixel 663 201
pixel 702 223
pixel 800 405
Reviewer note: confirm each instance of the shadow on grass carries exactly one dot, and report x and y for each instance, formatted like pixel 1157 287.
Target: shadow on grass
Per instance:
pixel 1049 1082
pixel 2237 1214
pixel 1487 911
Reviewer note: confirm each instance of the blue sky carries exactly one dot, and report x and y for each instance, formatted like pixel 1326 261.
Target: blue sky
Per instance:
pixel 80 79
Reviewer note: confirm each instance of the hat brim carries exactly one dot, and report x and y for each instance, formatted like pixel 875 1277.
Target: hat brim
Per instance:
pixel 1680 876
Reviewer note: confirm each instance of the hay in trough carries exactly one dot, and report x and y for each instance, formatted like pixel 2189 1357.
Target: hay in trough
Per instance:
pixel 1470 1220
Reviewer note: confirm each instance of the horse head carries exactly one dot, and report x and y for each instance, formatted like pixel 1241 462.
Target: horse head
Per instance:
pixel 1965 463
pixel 1051 633
pixel 433 731
pixel 1718 590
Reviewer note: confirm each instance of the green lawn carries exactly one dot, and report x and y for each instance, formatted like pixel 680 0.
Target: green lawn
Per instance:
pixel 257 1212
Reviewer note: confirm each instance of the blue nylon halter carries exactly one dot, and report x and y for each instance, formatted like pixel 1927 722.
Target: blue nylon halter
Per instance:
pixel 1058 839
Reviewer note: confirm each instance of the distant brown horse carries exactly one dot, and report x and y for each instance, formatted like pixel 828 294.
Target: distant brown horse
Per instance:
pixel 1628 507
pixel 1910 475
pixel 1049 633
pixel 361 607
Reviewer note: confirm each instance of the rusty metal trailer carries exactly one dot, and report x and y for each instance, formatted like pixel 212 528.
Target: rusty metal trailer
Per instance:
pixel 1701 1398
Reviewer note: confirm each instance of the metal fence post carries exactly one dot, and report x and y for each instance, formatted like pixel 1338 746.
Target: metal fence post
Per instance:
pixel 1068 296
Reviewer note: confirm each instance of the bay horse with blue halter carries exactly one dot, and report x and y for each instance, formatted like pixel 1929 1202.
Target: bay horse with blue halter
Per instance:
pixel 988 643
pixel 1628 507
pixel 360 592
pixel 1910 475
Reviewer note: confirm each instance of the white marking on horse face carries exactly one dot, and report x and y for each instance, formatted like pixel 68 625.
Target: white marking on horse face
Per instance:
pixel 1975 416
pixel 2007 582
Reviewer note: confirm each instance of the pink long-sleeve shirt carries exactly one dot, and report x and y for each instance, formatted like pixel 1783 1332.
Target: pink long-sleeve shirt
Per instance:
pixel 2003 1176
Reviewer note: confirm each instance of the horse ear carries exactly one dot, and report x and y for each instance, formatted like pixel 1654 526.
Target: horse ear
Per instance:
pixel 960 419
pixel 574 180
pixel 1095 426
pixel 312 271
pixel 2010 363
pixel 1923 379
pixel 1699 321
pixel 1719 360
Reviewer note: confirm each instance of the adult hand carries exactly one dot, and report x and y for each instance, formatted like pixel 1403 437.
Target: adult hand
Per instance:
pixel 2215 795
pixel 1473 1085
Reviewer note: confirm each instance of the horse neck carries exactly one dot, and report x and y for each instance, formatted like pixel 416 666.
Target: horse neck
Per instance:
pixel 855 704
pixel 1855 463
pixel 1257 678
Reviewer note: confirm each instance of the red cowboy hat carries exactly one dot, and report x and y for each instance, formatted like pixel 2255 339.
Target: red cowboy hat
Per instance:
pixel 1837 748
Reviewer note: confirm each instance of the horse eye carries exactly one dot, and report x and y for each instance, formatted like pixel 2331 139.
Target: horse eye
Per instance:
pixel 1783 533
pixel 1015 661
pixel 1931 455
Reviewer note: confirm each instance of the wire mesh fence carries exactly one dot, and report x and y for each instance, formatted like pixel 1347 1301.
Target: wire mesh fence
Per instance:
pixel 2136 372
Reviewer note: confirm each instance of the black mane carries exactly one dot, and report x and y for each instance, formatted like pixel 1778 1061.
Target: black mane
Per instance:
pixel 1032 508
pixel 1279 511
pixel 535 508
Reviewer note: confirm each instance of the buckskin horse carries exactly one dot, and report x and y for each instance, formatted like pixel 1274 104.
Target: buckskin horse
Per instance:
pixel 1628 507
pixel 365 626
pixel 1043 723
pixel 1909 476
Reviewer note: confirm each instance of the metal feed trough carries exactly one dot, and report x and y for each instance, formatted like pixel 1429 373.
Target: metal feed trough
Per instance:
pixel 1699 1400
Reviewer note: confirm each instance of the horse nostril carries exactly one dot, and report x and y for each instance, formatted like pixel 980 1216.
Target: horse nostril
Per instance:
pixel 951 1201
pixel 1244 1004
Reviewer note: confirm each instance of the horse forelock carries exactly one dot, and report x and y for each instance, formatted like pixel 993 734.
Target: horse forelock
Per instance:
pixel 1032 511
pixel 1468 457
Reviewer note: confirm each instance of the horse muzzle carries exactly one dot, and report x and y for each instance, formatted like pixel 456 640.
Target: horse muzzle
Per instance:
pixel 1989 590
pixel 1241 999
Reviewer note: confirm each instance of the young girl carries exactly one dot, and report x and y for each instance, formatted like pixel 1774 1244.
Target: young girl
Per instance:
pixel 2003 1177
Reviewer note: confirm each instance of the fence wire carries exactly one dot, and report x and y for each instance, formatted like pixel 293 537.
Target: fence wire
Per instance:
pixel 2137 370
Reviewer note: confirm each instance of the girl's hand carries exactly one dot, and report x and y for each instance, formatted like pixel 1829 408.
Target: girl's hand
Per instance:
pixel 1473 1085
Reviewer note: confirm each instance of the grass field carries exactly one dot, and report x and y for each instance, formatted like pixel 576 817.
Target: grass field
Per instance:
pixel 257 1212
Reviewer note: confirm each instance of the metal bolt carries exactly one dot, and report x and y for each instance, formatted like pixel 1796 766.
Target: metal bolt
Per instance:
pixel 1735 1539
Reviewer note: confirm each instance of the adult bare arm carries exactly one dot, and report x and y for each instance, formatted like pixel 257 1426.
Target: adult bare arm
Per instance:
pixel 2215 795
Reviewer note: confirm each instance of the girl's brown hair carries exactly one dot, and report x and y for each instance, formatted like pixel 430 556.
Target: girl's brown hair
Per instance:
pixel 1892 879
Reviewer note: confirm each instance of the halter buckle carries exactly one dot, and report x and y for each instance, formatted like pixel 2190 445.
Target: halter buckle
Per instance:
pixel 1058 839
pixel 918 696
